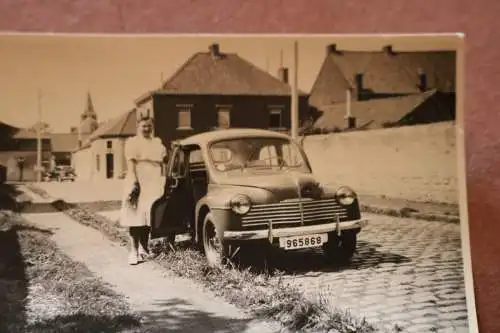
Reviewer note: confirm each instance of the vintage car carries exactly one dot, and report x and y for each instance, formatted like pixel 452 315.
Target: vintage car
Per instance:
pixel 66 173
pixel 50 175
pixel 60 174
pixel 231 187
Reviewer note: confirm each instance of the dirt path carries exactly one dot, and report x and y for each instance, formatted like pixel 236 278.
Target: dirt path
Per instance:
pixel 167 304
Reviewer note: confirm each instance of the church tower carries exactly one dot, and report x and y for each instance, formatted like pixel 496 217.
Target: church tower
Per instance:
pixel 88 123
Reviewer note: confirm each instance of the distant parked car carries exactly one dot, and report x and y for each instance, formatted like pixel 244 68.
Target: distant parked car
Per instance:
pixel 60 173
pixel 66 173
pixel 50 175
pixel 231 187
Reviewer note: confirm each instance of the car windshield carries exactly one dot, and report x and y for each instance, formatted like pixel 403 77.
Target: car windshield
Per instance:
pixel 261 153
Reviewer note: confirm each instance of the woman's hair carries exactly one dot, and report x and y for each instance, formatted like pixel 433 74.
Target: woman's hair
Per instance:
pixel 144 115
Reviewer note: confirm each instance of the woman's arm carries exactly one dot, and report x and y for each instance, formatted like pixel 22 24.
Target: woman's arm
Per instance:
pixel 131 165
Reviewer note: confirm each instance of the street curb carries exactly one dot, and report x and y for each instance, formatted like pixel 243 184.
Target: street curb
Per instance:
pixel 409 213
pixel 404 212
pixel 27 205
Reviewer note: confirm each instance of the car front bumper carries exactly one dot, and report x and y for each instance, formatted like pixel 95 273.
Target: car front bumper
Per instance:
pixel 271 233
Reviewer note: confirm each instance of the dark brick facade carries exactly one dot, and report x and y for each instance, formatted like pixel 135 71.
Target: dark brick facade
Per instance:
pixel 246 112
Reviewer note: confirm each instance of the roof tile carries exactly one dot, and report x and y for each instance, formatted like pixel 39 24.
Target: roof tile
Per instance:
pixel 382 73
pixel 377 113
pixel 63 142
pixel 227 74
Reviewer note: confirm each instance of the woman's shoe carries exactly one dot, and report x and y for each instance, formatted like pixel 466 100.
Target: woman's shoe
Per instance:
pixel 132 259
pixel 143 254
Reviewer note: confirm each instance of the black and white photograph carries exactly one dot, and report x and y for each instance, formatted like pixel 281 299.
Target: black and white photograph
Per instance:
pixel 233 183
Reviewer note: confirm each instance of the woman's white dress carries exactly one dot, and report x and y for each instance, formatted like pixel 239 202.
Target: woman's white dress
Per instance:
pixel 150 179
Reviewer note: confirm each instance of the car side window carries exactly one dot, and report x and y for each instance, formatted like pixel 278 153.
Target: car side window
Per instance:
pixel 178 163
pixel 195 156
pixel 196 161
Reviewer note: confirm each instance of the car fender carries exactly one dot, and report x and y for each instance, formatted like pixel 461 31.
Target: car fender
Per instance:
pixel 217 202
pixel 218 205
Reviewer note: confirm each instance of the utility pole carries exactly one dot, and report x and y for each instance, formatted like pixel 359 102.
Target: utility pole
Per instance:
pixel 39 138
pixel 295 97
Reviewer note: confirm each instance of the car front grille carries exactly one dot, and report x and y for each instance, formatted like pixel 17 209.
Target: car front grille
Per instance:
pixel 290 213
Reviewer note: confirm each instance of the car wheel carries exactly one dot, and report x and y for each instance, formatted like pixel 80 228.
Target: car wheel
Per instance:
pixel 216 250
pixel 340 250
pixel 170 239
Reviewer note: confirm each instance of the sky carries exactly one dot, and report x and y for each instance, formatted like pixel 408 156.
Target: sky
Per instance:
pixel 118 69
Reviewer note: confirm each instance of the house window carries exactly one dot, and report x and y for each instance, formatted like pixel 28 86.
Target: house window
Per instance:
pixel 275 118
pixel 109 144
pixel 224 117
pixel 184 118
pixel 98 162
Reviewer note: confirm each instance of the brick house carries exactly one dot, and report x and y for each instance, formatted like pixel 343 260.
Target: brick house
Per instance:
pixel 213 90
pixel 101 155
pixel 18 152
pixel 381 81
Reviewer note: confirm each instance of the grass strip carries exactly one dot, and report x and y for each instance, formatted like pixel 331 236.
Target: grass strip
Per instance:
pixel 43 290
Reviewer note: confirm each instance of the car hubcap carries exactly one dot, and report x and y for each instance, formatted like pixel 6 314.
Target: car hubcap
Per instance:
pixel 213 244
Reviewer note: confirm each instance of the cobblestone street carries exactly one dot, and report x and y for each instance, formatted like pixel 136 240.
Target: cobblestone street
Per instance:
pixel 406 272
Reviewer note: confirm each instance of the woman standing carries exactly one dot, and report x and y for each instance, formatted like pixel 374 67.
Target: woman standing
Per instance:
pixel 145 155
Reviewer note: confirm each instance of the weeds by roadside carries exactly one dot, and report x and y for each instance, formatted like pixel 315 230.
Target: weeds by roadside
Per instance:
pixel 43 290
pixel 261 294
pixel 408 212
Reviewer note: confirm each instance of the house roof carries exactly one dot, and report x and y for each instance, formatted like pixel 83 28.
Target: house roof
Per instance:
pixel 378 112
pixel 224 74
pixel 63 142
pixel 12 132
pixel 121 126
pixel 383 72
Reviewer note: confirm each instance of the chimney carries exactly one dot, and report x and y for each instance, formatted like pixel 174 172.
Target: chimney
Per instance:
pixel 283 74
pixel 422 76
pixel 358 78
pixel 73 129
pixel 214 50
pixel 331 48
pixel 388 49
pixel 351 121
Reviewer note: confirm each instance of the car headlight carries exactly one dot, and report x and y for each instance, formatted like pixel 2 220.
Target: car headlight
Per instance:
pixel 240 204
pixel 345 196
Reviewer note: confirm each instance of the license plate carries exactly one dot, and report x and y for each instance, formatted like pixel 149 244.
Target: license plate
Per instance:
pixel 301 242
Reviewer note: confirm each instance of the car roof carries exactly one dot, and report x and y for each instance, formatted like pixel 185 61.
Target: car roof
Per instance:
pixel 207 137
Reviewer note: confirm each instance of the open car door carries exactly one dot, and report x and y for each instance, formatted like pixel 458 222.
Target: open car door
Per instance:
pixel 169 212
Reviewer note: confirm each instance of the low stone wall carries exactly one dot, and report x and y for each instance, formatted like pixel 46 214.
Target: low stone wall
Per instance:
pixel 414 163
